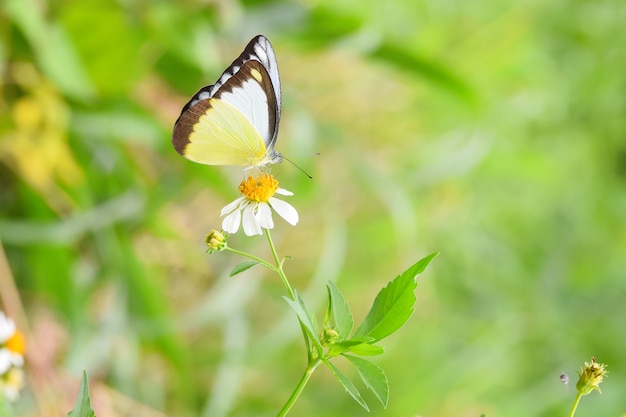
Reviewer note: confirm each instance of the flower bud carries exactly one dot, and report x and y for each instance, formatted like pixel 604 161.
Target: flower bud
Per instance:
pixel 330 336
pixel 591 376
pixel 216 241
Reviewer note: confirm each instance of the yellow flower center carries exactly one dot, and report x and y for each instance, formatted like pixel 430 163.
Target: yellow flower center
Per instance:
pixel 259 189
pixel 17 343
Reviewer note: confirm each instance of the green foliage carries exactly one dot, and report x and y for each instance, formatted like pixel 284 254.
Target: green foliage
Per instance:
pixel 307 320
pixel 393 305
pixel 491 131
pixel 82 407
pixel 241 267
pixel 391 309
pixel 339 311
pixel 373 377
pixel 347 384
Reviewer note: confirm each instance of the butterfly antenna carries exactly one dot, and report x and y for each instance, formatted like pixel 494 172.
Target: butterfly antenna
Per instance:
pixel 301 170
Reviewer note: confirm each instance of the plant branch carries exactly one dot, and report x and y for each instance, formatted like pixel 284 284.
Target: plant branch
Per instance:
pixel 299 388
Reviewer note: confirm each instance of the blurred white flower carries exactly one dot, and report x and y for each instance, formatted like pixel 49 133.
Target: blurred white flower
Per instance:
pixel 7 328
pixel 12 347
pixel 254 208
pixel 11 383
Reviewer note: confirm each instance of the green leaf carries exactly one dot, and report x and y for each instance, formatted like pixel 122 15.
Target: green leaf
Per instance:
pixel 344 346
pixel 373 377
pixel 243 266
pixel 366 349
pixel 394 304
pixel 347 384
pixel 82 407
pixel 340 311
pixel 357 346
pixel 305 318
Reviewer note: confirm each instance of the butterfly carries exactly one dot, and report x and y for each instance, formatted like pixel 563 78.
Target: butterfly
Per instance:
pixel 235 121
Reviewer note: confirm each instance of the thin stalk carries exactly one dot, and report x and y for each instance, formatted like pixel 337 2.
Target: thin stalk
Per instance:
pixel 279 269
pixel 279 265
pixel 299 388
pixel 576 401
pixel 247 255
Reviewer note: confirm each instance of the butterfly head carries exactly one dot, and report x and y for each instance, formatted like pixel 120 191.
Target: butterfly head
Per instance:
pixel 274 157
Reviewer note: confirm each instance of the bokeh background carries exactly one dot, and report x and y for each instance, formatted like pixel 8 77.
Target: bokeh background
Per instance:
pixel 492 132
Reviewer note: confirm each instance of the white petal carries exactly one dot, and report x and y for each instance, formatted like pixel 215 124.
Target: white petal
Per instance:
pixel 284 210
pixel 232 206
pixel 16 359
pixel 250 225
pixel 7 328
pixel 282 191
pixel 264 216
pixel 231 223
pixel 5 360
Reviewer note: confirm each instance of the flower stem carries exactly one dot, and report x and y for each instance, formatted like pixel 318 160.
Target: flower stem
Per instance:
pixel 279 265
pixel 576 401
pixel 299 388
pixel 247 255
pixel 279 269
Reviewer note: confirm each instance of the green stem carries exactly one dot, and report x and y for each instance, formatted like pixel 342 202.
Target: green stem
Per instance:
pixel 279 269
pixel 299 388
pixel 279 265
pixel 576 401
pixel 247 255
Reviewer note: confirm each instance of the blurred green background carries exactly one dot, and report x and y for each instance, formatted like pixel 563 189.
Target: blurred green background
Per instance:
pixel 493 132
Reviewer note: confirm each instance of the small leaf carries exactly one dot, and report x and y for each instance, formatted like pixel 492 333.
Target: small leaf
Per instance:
pixel 394 304
pixel 340 311
pixel 305 318
pixel 373 377
pixel 243 266
pixel 82 407
pixel 347 384
pixel 366 349
pixel 344 346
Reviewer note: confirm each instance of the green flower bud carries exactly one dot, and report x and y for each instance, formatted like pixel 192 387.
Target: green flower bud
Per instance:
pixel 330 336
pixel 216 241
pixel 591 376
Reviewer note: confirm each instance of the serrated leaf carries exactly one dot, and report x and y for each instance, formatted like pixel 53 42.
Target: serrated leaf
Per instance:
pixel 373 377
pixel 82 407
pixel 394 304
pixel 243 266
pixel 347 384
pixel 340 311
pixel 306 319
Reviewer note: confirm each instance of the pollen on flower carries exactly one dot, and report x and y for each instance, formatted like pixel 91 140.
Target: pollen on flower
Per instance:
pixel 259 189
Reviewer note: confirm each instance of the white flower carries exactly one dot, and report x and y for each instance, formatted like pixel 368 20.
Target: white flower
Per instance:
pixel 11 345
pixel 11 383
pixel 7 328
pixel 254 208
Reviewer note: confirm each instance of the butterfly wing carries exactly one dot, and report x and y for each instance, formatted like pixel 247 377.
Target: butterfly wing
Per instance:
pixel 235 121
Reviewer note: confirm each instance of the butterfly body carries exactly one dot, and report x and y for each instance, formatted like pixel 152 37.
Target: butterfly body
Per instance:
pixel 235 121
